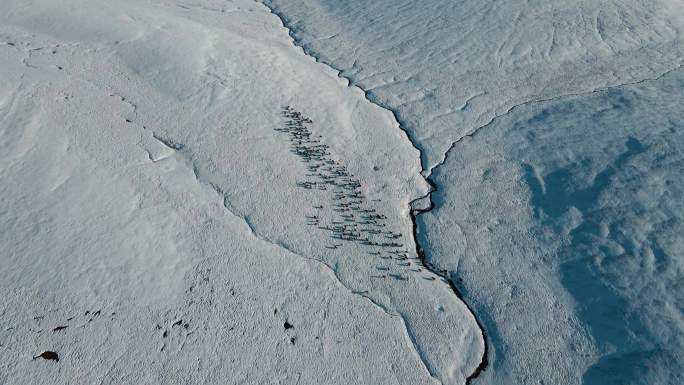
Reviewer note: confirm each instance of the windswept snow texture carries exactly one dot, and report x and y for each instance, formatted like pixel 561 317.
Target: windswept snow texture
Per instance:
pixel 552 131
pixel 448 67
pixel 567 217
pixel 151 225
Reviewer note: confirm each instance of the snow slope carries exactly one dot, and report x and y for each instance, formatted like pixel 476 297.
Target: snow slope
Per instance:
pixel 151 224
pixel 559 218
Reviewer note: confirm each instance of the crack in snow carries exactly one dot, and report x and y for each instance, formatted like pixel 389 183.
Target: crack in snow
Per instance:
pixel 413 212
pixel 544 100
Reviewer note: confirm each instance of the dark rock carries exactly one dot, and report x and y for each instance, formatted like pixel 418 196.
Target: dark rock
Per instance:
pixel 48 355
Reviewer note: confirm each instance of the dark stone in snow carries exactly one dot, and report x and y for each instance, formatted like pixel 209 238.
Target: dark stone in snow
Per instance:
pixel 48 355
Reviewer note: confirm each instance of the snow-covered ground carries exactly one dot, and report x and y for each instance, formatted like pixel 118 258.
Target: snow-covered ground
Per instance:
pixel 186 196
pixel 568 218
pixel 552 132
pixel 447 67
pixel 152 226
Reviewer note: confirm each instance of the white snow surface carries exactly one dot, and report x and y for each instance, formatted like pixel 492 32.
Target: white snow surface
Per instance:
pixel 153 231
pixel 448 67
pixel 552 131
pixel 568 221
pixel 150 224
